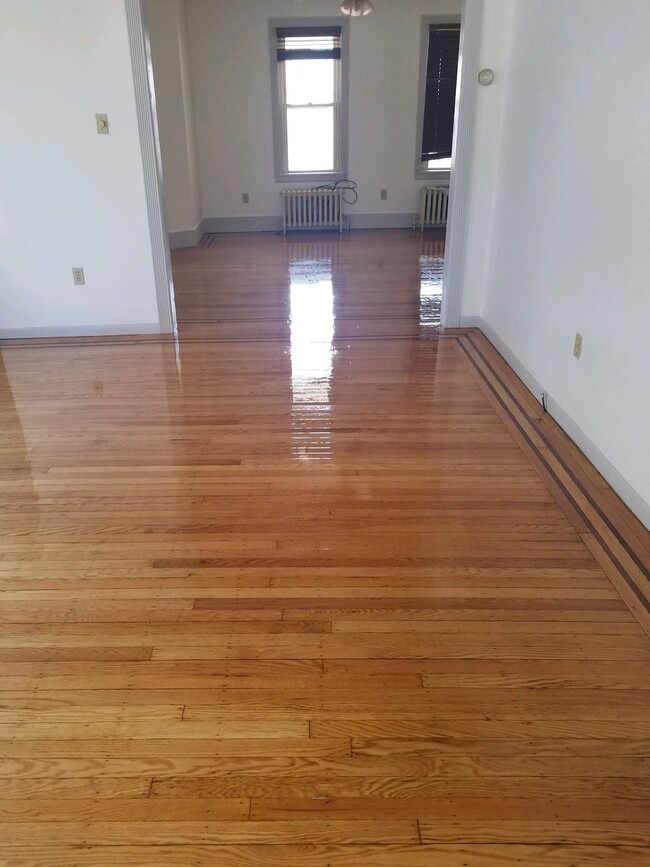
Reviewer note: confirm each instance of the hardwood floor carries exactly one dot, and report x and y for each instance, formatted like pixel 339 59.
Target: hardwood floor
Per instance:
pixel 315 585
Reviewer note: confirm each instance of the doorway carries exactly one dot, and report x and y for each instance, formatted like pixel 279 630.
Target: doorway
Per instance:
pixel 460 161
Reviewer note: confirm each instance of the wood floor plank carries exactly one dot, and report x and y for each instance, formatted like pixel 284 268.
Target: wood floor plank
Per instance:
pixel 432 728
pixel 160 749
pixel 144 680
pixel 123 810
pixel 481 807
pixel 499 674
pixel 75 788
pixel 411 764
pixel 206 706
pixel 624 797
pixel 192 833
pixel 90 716
pixel 233 726
pixel 477 628
pixel 343 646
pixel 625 833
pixel 533 748
pixel 18 653
pixel 297 855
pixel 279 669
pixel 534 613
pixel 450 702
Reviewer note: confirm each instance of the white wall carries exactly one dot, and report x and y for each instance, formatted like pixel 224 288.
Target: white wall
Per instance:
pixel 167 33
pixel 571 222
pixel 232 97
pixel 69 197
pixel 496 33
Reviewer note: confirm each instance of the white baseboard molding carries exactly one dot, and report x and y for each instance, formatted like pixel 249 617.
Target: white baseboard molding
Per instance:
pixel 630 496
pixel 471 322
pixel 79 331
pixel 382 221
pixel 217 225
pixel 187 238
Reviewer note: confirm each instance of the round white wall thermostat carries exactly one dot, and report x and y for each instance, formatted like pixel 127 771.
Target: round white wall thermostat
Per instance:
pixel 485 77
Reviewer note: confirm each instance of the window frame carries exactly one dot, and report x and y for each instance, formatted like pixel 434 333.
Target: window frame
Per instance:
pixel 422 174
pixel 341 110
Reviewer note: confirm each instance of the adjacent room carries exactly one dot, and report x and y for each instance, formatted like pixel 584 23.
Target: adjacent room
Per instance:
pixel 324 423
pixel 301 142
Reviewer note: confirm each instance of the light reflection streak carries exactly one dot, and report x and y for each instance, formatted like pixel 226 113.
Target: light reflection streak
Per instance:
pixel 311 294
pixel 432 265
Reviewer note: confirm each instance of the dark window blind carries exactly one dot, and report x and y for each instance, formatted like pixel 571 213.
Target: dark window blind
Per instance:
pixel 309 43
pixel 440 94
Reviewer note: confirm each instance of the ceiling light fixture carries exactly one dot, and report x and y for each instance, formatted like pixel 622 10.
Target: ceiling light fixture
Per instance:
pixel 355 8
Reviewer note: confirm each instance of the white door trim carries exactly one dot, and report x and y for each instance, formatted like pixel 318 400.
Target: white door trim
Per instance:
pixel 145 101
pixel 457 218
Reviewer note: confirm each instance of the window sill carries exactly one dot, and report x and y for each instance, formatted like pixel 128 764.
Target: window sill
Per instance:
pixel 310 177
pixel 440 175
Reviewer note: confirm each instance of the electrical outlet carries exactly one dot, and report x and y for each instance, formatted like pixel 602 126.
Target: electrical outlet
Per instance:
pixel 245 198
pixel 577 346
pixel 383 195
pixel 78 276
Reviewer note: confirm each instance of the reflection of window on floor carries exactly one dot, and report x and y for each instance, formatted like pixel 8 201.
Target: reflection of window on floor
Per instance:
pixel 432 264
pixel 312 332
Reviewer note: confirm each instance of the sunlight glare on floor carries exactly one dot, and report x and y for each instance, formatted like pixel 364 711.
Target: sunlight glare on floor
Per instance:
pixel 432 266
pixel 311 295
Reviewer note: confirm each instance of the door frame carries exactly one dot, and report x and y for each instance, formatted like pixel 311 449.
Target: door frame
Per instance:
pixel 145 102
pixel 461 161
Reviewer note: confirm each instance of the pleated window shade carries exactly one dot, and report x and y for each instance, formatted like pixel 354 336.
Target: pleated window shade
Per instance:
pixel 440 94
pixel 309 43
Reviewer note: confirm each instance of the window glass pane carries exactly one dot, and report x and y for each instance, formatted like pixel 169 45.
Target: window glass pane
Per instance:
pixel 309 81
pixel 310 139
pixel 439 164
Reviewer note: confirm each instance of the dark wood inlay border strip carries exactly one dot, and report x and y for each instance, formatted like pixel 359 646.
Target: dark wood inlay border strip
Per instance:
pixel 629 579
pixel 645 569
pixel 182 338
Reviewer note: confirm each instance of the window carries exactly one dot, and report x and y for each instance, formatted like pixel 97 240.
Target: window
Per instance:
pixel 308 103
pixel 441 43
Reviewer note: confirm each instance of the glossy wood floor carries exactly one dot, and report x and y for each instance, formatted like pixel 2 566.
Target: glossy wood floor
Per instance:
pixel 317 585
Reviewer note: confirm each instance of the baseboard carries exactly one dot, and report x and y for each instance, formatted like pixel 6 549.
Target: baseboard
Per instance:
pixel 79 331
pixel 382 221
pixel 632 499
pixel 217 225
pixel 188 238
pixel 471 322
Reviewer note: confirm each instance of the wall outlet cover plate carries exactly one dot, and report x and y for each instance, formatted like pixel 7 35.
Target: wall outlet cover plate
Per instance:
pixel 577 346
pixel 102 124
